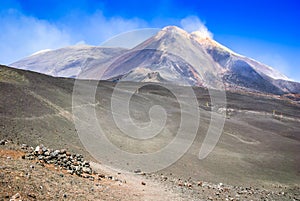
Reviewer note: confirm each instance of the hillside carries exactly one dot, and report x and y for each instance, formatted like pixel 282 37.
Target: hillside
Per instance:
pixel 259 144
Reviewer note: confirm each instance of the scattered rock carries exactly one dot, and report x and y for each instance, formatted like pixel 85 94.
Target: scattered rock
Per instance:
pixel 16 196
pixel 180 184
pixel 87 170
pixel 37 149
pixel 41 158
pixel 143 183
pixel 137 171
pixel 3 142
pixel 31 195
pixel 164 178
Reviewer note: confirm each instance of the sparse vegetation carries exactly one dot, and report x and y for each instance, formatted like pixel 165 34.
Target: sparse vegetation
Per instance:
pixel 11 76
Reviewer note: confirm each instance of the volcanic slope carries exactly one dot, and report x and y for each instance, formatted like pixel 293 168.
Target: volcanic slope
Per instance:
pixel 260 143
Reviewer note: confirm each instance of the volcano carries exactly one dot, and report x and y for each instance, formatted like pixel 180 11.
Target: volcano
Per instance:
pixel 171 56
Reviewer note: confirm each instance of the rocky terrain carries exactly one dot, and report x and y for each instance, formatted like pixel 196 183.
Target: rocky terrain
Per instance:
pixel 40 173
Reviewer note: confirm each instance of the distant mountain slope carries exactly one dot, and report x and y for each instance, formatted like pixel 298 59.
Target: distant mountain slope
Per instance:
pixel 68 61
pixel 174 55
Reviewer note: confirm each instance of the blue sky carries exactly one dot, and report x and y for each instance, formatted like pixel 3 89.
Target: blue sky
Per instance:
pixel 268 31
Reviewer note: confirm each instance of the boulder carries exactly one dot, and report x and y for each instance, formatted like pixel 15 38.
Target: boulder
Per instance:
pixel 87 170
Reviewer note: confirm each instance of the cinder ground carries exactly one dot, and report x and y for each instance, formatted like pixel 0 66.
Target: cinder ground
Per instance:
pixel 259 146
pixel 25 179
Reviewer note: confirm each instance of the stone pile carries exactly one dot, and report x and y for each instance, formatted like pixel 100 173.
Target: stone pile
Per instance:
pixel 73 163
pixel 3 142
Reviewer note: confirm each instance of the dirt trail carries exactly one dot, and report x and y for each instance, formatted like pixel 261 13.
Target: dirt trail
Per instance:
pixel 146 189
pixel 253 142
pixel 61 111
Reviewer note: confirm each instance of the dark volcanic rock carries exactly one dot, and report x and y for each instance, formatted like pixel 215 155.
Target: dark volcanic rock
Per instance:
pixel 74 163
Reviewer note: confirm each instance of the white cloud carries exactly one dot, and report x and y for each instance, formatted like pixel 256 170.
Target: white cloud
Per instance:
pixel 23 35
pixel 194 24
pixel 96 28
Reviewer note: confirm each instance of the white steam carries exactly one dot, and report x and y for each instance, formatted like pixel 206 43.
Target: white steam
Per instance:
pixel 193 24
